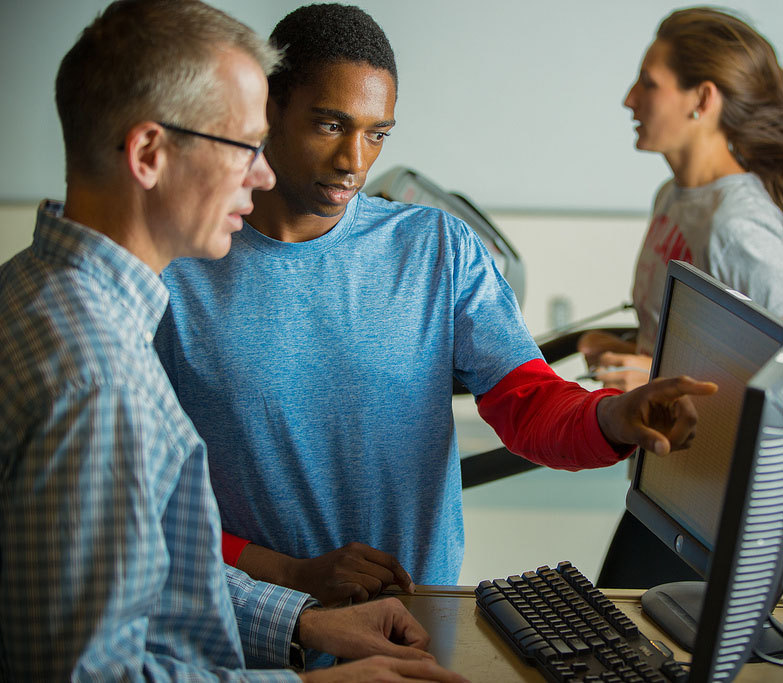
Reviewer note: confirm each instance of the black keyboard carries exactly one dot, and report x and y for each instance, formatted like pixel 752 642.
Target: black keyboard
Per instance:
pixel 566 627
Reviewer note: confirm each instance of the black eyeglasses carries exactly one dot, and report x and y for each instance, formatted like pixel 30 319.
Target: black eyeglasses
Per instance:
pixel 216 138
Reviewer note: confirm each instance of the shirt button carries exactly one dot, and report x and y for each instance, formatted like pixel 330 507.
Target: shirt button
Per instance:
pixel 148 337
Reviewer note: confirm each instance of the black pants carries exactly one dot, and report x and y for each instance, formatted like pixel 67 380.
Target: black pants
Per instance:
pixel 638 559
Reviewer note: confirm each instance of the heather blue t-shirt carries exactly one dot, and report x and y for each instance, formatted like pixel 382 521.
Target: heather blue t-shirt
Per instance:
pixel 320 376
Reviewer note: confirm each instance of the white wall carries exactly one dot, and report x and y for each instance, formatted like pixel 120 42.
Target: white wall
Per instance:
pixel 586 260
pixel 516 103
pixel 17 221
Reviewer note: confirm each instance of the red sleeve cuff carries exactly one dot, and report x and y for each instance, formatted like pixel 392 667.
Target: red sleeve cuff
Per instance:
pixel 232 548
pixel 548 420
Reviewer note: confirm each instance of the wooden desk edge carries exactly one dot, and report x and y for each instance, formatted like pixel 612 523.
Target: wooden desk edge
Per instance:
pixel 467 591
pixel 430 605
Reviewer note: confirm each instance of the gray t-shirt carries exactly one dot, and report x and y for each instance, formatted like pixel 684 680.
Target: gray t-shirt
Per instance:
pixel 730 229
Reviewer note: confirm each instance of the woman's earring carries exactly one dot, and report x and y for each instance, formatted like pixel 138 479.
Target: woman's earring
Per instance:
pixel 695 115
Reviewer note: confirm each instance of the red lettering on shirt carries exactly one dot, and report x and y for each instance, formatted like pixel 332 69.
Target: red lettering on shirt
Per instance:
pixel 673 245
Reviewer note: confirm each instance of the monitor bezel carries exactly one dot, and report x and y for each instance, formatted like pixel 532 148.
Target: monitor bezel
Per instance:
pixel 680 540
pixel 746 579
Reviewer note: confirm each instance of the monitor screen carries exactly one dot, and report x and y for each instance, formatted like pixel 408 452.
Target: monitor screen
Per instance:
pixel 711 333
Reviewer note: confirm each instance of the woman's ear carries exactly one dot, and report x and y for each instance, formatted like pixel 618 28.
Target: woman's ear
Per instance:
pixel 145 153
pixel 710 101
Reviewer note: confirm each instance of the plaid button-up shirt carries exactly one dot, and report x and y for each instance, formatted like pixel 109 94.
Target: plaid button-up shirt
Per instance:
pixel 110 555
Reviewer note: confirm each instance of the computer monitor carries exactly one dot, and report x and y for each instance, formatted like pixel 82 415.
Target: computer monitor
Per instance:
pixel 713 333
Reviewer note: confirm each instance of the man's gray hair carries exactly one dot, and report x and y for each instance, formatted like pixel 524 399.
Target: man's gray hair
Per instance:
pixel 145 60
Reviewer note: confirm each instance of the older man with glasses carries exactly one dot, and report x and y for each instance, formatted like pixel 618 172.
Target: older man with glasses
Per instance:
pixel 110 535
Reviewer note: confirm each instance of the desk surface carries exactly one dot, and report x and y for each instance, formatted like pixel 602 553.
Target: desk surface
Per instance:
pixel 463 641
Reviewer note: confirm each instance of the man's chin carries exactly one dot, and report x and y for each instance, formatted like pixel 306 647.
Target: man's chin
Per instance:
pixel 220 254
pixel 216 249
pixel 323 210
pixel 332 212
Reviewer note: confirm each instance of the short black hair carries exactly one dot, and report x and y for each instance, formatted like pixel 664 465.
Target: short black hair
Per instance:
pixel 315 35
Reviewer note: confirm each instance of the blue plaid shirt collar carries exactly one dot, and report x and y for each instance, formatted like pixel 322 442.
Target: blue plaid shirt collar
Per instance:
pixel 137 287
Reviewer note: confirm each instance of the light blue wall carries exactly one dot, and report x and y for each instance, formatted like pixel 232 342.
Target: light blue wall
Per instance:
pixel 515 103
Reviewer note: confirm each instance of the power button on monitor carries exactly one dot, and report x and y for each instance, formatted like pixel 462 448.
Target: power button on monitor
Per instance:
pixel 678 544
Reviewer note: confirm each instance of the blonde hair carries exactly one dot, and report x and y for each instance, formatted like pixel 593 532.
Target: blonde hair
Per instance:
pixel 145 60
pixel 710 45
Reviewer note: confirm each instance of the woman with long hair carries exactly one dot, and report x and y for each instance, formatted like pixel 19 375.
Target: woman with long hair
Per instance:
pixel 709 98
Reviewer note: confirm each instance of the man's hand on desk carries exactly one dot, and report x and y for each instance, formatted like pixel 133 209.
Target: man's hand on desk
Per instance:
pixel 383 670
pixel 659 416
pixel 355 572
pixel 382 630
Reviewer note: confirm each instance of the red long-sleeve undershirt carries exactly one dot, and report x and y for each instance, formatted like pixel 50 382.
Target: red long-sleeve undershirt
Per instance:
pixel 547 420
pixel 537 415
pixel 233 547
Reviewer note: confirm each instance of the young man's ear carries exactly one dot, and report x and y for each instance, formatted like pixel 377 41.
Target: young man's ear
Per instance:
pixel 145 152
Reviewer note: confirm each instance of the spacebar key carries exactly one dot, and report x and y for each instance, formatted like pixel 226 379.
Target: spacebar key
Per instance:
pixel 511 620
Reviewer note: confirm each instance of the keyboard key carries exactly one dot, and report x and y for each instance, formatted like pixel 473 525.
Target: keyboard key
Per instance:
pixel 561 647
pixel 578 645
pixel 526 640
pixel 511 620
pixel 546 654
pixel 674 672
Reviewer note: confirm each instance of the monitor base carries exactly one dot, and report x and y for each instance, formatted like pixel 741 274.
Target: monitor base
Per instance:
pixel 676 607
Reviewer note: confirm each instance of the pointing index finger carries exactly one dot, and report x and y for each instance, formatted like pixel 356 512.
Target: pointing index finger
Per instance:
pixel 680 386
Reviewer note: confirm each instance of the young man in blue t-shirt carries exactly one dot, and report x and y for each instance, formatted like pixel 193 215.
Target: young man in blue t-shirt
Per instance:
pixel 317 359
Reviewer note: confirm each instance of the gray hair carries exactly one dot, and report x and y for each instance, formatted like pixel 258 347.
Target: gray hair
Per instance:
pixel 145 60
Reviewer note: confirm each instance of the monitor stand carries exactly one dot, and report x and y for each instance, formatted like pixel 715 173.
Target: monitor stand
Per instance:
pixel 676 608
